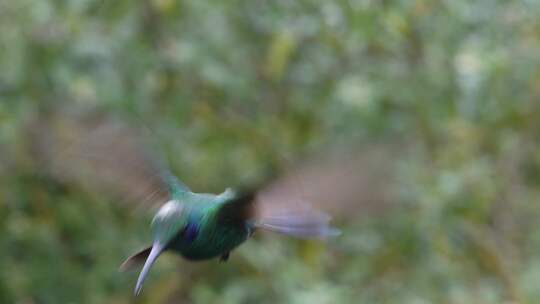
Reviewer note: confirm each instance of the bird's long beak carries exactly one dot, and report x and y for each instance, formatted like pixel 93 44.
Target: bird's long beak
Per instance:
pixel 157 249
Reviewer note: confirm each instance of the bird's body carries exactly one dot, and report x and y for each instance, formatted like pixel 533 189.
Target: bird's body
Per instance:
pixel 202 226
pixel 198 226
pixel 103 153
pixel 203 232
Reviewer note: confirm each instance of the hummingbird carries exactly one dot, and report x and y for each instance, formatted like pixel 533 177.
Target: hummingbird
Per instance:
pixel 202 226
pixel 104 154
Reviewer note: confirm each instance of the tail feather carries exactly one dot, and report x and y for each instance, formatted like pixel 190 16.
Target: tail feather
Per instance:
pixel 156 250
pixel 136 259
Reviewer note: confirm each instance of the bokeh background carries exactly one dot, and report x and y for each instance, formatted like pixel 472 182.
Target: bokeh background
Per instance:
pixel 436 102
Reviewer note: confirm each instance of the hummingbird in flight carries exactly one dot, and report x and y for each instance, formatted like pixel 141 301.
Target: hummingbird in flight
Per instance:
pixel 198 226
pixel 201 226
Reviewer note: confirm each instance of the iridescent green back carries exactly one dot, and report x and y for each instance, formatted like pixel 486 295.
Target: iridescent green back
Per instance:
pixel 193 225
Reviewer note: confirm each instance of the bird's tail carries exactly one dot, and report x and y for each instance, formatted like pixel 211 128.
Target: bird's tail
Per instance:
pixel 136 259
pixel 311 224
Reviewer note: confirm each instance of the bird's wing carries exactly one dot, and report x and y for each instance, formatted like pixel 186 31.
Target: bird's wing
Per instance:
pixel 346 184
pixel 100 153
pixel 292 214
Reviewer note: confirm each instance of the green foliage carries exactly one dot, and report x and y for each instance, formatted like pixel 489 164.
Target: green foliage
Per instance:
pixel 230 88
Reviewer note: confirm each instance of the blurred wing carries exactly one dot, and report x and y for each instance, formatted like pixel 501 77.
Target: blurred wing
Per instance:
pixel 101 154
pixel 346 184
pixel 298 203
pixel 290 214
